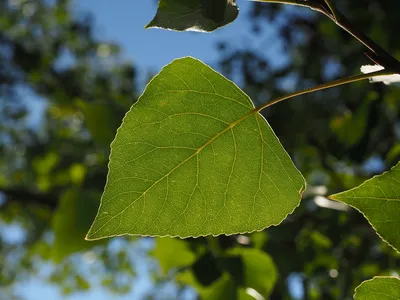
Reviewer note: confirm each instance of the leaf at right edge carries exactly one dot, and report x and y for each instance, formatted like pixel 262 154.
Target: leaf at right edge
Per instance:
pixel 378 199
pixel 379 288
pixel 194 158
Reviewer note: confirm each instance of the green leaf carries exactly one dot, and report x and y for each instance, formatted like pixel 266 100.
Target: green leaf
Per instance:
pixel 221 289
pixel 71 221
pixel 350 128
pixel 379 288
pixel 378 199
pixel 172 253
pixel 194 158
pixel 258 270
pixel 196 15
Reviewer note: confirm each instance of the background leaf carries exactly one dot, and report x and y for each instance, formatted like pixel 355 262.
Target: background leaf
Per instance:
pixel 101 121
pixel 379 200
pixel 379 288
pixel 71 221
pixel 194 158
pixel 196 15
pixel 172 253
pixel 257 269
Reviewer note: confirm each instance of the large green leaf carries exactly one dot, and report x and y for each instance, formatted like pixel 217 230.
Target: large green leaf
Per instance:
pixel 194 158
pixel 379 288
pixel 379 200
pixel 197 15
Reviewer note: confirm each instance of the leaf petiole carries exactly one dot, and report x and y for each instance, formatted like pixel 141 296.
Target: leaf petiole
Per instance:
pixel 332 8
pixel 325 86
pixel 289 2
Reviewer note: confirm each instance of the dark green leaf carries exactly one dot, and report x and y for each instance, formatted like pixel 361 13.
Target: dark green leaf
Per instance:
pixel 206 269
pixel 196 15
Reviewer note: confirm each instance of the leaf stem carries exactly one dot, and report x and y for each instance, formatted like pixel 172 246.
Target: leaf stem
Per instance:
pixel 289 2
pixel 332 8
pixel 325 86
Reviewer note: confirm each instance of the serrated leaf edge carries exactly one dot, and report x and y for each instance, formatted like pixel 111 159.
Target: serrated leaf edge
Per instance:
pixel 369 280
pixel 334 198
pixel 254 111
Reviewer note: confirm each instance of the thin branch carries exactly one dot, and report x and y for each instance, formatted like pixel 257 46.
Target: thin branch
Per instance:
pixel 312 4
pixel 383 57
pixel 332 8
pixel 326 7
pixel 325 86
pixel 289 2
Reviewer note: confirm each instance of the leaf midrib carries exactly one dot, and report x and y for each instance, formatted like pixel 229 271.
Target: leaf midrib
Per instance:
pixel 229 127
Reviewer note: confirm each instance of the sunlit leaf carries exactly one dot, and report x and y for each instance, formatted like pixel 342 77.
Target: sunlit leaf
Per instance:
pixel 194 158
pixel 379 200
pixel 379 288
pixel 196 15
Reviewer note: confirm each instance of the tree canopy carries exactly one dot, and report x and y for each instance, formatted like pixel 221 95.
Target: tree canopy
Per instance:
pixel 54 163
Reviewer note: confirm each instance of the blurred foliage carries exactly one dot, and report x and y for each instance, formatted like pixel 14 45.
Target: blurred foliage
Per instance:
pixel 338 138
pixel 63 95
pixel 54 165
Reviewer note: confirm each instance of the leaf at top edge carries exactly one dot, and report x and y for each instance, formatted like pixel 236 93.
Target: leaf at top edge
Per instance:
pixel 194 158
pixel 379 288
pixel 378 199
pixel 194 15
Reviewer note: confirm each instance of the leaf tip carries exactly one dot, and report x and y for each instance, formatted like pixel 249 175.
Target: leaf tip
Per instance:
pixel 91 237
pixel 149 25
pixel 333 197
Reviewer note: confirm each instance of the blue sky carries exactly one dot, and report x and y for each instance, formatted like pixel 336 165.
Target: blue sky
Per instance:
pixel 123 22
